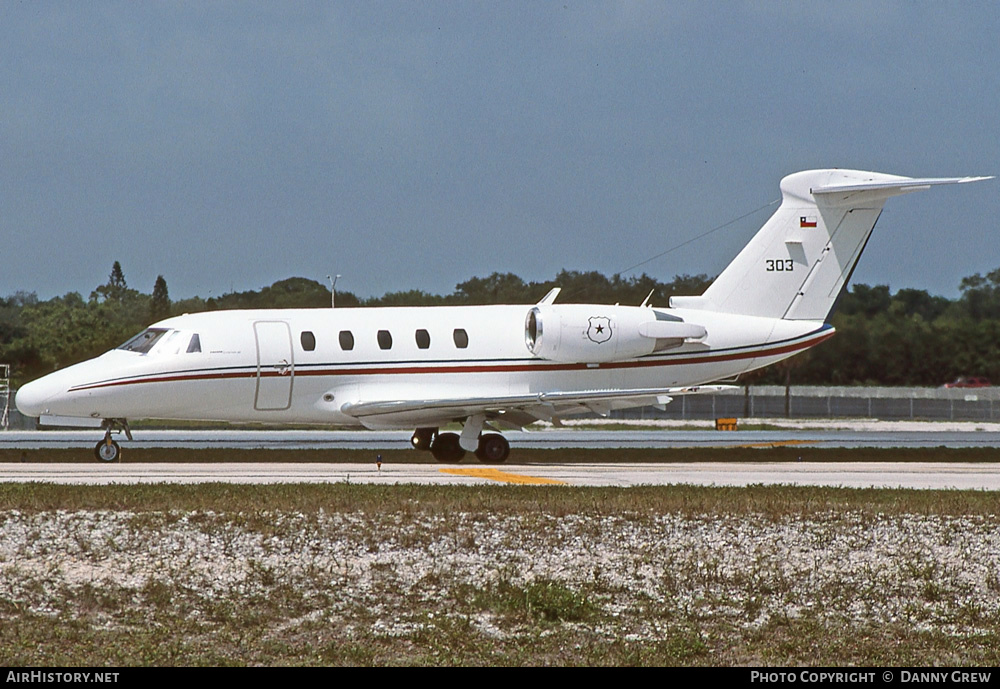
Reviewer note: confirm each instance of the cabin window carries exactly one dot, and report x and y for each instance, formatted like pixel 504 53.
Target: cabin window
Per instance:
pixel 423 339
pixel 461 338
pixel 346 340
pixel 194 345
pixel 384 339
pixel 308 341
pixel 144 341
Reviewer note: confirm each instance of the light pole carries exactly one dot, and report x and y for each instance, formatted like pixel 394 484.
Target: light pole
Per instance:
pixel 333 290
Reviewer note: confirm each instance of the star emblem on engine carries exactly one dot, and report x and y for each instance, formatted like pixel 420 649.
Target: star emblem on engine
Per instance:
pixel 599 330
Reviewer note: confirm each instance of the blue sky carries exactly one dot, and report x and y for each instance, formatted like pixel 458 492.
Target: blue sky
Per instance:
pixel 418 144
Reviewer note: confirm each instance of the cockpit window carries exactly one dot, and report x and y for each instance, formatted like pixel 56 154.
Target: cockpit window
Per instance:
pixel 145 340
pixel 171 343
pixel 160 341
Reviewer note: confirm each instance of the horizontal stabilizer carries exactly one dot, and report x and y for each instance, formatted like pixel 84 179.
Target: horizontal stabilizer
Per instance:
pixel 901 186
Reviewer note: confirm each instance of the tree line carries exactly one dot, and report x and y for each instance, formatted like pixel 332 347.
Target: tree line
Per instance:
pixel 908 337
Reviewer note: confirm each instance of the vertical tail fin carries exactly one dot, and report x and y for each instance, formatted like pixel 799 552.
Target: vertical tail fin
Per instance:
pixel 797 264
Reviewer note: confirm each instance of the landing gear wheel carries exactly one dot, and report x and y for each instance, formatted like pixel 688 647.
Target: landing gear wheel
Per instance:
pixel 445 448
pixel 107 450
pixel 423 438
pixel 493 449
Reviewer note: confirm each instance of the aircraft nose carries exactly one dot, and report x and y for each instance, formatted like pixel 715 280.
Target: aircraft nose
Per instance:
pixel 31 399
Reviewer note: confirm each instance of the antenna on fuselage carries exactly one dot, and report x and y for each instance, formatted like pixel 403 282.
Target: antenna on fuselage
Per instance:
pixel 551 296
pixel 333 290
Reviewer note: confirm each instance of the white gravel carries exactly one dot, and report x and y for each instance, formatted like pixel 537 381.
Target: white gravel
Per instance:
pixel 928 572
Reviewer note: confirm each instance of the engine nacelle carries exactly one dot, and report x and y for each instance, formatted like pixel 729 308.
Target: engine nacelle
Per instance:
pixel 590 333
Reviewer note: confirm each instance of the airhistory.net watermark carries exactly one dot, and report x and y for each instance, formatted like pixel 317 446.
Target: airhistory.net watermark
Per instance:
pixel 44 676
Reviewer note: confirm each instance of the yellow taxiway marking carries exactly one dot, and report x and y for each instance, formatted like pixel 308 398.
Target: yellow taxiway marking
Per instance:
pixel 502 476
pixel 780 443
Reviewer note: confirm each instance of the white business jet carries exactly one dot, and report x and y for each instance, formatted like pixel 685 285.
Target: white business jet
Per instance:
pixel 486 367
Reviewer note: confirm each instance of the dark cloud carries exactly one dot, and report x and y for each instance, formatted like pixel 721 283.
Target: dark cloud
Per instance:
pixel 414 145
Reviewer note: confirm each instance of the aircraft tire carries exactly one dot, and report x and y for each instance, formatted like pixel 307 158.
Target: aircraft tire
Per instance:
pixel 493 449
pixel 105 452
pixel 445 448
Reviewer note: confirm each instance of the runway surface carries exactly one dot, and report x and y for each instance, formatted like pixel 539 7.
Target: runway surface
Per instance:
pixel 846 474
pixel 968 436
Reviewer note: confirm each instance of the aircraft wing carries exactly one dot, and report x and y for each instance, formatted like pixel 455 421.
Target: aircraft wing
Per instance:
pixel 518 410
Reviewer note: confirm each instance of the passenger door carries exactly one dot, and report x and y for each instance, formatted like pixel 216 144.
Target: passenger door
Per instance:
pixel 275 366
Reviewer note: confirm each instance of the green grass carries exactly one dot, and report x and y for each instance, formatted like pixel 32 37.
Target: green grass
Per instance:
pixel 407 500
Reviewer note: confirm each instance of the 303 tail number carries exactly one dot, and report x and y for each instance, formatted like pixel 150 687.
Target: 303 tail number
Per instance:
pixel 779 264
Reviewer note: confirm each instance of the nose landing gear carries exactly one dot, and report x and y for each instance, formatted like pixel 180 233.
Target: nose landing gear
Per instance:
pixel 107 450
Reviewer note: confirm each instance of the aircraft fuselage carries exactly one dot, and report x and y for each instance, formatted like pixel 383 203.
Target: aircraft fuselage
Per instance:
pixel 307 365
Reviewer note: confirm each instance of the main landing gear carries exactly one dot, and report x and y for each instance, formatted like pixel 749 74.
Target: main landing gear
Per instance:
pixel 107 450
pixel 491 448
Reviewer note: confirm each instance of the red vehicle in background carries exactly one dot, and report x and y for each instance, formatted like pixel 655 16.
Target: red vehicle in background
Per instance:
pixel 968 382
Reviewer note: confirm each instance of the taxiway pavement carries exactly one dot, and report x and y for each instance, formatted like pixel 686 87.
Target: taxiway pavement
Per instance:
pixel 929 475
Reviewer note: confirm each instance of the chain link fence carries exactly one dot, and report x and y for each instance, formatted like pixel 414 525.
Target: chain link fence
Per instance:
pixel 804 402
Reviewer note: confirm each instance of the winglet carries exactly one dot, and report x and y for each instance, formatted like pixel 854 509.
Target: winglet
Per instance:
pixel 551 296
